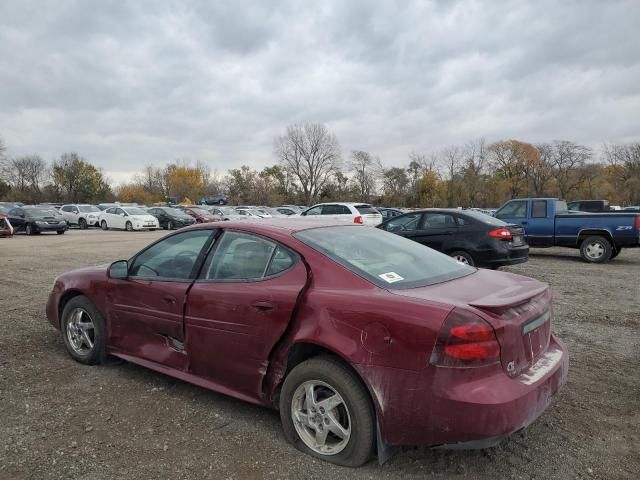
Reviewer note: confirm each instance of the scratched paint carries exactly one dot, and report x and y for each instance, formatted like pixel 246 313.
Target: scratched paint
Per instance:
pixel 543 366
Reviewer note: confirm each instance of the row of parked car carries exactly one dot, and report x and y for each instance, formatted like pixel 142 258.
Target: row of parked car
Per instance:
pixel 473 237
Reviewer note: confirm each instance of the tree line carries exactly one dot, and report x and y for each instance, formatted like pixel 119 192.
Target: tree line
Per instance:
pixel 311 167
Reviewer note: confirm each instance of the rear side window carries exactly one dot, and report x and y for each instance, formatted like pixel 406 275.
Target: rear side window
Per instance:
pixel 282 260
pixel 242 256
pixel 539 209
pixel 405 223
pixel 561 206
pixel 366 209
pixel 335 210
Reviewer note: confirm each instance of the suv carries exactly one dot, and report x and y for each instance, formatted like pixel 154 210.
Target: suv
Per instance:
pixel 82 215
pixel 361 213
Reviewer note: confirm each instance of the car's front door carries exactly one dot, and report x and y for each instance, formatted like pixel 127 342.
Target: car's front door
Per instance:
pixel 239 308
pixel 17 218
pixel 145 311
pixel 405 225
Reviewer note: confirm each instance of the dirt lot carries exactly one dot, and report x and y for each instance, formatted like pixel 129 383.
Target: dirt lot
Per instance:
pixel 59 419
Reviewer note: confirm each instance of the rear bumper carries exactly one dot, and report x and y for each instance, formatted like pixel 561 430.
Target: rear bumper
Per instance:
pixel 468 408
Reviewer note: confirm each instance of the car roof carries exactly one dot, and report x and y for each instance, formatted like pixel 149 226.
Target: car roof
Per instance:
pixel 275 225
pixel 350 204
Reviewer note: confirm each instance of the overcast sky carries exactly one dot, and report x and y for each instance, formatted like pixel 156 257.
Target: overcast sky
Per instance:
pixel 126 84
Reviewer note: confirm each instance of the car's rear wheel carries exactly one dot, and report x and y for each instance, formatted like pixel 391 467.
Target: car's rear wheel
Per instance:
pixel 615 253
pixel 83 331
pixel 128 226
pixel 60 232
pixel 326 412
pixel 103 225
pixel 596 249
pixel 463 257
pixel 82 223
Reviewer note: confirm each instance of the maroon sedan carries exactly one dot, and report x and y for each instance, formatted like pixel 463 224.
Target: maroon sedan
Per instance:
pixel 201 215
pixel 362 339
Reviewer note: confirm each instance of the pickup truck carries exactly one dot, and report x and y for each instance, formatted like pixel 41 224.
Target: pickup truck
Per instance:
pixel 548 223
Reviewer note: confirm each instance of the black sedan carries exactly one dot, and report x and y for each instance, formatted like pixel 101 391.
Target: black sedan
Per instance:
pixel 470 237
pixel 32 220
pixel 171 218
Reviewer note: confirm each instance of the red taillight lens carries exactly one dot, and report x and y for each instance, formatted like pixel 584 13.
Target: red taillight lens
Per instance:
pixel 358 220
pixel 636 224
pixel 503 233
pixel 465 340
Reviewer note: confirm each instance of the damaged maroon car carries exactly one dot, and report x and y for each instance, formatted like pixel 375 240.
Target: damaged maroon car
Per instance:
pixel 363 340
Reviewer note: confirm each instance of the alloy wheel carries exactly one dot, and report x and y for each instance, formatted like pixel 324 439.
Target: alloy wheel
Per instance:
pixel 81 331
pixel 321 417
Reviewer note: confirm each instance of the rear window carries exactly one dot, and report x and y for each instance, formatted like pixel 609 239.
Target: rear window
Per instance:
pixel 384 259
pixel 484 218
pixel 366 209
pixel 561 206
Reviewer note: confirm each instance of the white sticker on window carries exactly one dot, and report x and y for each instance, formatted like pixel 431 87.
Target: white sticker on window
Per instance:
pixel 390 277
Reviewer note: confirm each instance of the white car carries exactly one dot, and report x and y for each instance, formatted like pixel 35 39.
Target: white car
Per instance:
pixel 128 218
pixel 82 215
pixel 227 213
pixel 361 213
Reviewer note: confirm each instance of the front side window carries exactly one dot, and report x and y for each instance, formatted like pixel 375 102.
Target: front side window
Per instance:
pixel 516 209
pixel 239 256
pixel 88 208
pixel 386 260
pixel 67 208
pixel 172 258
pixel 406 223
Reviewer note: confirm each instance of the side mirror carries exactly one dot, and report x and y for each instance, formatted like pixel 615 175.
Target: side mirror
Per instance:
pixel 118 270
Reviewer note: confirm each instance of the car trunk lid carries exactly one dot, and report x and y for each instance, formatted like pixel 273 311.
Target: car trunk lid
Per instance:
pixel 518 308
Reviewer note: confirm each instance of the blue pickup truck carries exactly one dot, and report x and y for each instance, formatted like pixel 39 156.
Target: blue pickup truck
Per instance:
pixel 548 223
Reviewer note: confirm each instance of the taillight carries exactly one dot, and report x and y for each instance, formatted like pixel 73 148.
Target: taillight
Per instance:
pixel 358 219
pixel 503 233
pixel 636 224
pixel 465 340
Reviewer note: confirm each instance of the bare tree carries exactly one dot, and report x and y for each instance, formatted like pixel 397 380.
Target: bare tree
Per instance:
pixel 540 171
pixel 567 159
pixel 473 166
pixel 510 160
pixel 311 154
pixel 451 160
pixel 624 161
pixel 362 166
pixel 26 176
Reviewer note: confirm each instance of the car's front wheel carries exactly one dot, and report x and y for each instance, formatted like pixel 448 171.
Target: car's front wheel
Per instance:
pixel 326 412
pixel 82 223
pixel 170 225
pixel 104 226
pixel 129 226
pixel 83 331
pixel 29 230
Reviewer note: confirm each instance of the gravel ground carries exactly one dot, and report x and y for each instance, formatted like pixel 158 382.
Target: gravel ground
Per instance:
pixel 60 419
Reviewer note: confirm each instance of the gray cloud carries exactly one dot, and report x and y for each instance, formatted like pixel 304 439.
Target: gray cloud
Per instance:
pixel 127 84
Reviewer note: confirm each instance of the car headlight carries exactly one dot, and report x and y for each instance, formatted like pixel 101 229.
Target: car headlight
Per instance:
pixel 41 222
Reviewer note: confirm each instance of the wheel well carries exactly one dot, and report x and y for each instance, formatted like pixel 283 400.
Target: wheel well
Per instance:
pixel 598 233
pixel 65 299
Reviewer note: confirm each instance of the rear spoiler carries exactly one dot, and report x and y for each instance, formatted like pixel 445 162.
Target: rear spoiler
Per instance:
pixel 509 297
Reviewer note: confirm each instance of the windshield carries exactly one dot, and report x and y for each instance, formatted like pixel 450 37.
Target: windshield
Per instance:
pixel 88 208
pixel 135 211
pixel 175 212
pixel 228 210
pixel 41 212
pixel 384 259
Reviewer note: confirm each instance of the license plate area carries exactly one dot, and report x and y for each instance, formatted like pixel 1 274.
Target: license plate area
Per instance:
pixel 535 323
pixel 517 241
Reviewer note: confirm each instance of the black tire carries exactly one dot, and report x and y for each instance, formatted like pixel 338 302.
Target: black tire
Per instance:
pixel 103 225
pixel 128 227
pixel 360 446
pixel 615 253
pixel 221 202
pixel 82 223
pixel 28 229
pixel 463 257
pixel 169 225
pixel 596 249
pixel 60 232
pixel 98 352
